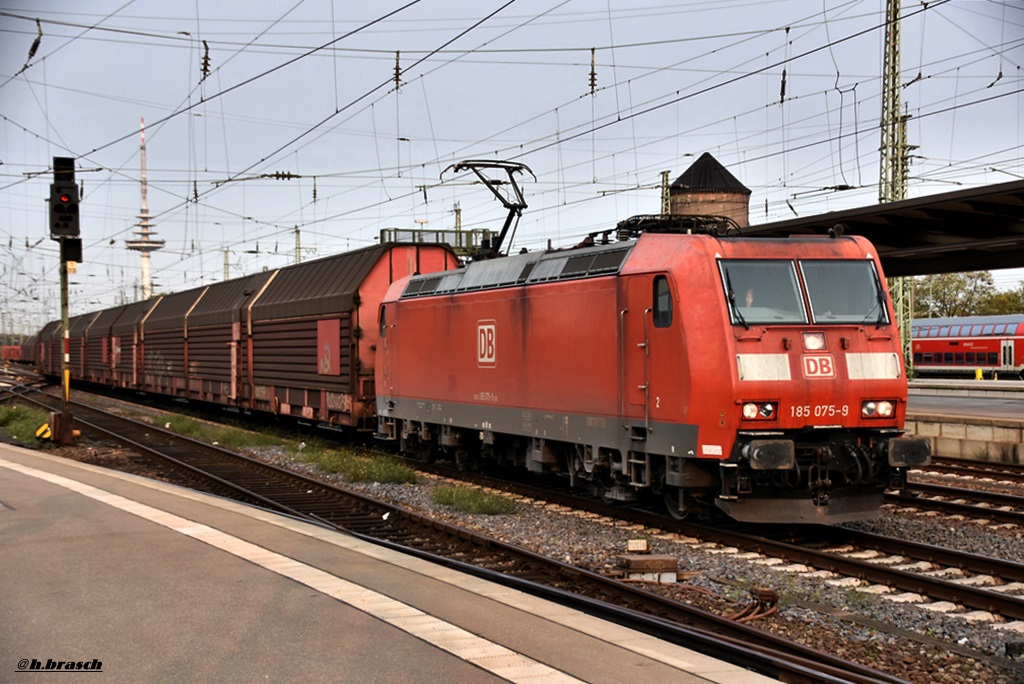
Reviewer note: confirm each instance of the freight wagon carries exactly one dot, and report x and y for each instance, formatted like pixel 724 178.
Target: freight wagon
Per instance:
pixel 295 341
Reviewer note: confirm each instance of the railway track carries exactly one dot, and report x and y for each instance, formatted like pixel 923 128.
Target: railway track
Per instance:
pixel 896 564
pixel 977 503
pixel 982 470
pixel 256 482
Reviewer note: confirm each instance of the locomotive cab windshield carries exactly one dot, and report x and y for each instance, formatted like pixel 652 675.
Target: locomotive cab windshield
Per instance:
pixel 768 292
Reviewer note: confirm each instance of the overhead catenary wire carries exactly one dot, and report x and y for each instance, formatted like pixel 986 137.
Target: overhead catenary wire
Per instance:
pixel 346 184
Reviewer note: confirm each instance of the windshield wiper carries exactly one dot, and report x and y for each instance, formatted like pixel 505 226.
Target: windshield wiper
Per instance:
pixel 880 295
pixel 732 299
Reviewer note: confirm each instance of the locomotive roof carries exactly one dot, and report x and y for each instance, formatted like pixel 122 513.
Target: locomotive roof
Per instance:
pixel 523 269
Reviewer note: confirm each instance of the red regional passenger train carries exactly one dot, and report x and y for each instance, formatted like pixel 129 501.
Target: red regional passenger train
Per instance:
pixel 761 377
pixel 960 347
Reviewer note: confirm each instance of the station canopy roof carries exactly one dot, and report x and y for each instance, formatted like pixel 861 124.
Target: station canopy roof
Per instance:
pixel 965 230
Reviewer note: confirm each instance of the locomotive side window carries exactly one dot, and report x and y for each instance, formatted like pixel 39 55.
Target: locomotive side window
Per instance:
pixel 662 303
pixel 763 291
pixel 383 322
pixel 844 291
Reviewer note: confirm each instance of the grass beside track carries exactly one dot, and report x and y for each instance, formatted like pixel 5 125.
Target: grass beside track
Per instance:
pixel 473 500
pixel 352 464
pixel 355 466
pixel 21 422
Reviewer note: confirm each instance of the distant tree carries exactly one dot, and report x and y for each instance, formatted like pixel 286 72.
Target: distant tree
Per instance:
pixel 1003 302
pixel 952 294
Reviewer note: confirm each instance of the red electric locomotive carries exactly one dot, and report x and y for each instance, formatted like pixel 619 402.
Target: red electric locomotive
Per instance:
pixel 762 377
pixel 960 347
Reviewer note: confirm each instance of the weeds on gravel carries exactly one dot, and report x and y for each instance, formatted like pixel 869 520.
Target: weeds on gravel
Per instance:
pixel 858 600
pixel 21 423
pixel 474 501
pixel 353 466
pixel 227 437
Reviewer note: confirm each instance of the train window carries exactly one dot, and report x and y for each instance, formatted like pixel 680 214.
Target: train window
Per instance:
pixel 762 291
pixel 970 358
pixel 947 358
pixel 928 358
pixel 944 331
pixel 917 358
pixel 999 329
pixel 959 356
pixel 383 322
pixel 987 330
pixel 993 358
pixel 662 303
pixel 975 330
pixel 577 265
pixel 844 291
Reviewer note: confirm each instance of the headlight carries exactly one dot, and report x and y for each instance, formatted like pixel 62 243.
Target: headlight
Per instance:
pixel 814 341
pixel 877 409
pixel 759 411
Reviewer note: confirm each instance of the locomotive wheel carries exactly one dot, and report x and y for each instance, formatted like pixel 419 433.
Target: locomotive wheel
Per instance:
pixel 465 462
pixel 604 494
pixel 417 450
pixel 678 503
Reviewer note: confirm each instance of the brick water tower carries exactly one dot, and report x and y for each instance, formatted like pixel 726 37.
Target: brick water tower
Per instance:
pixel 708 189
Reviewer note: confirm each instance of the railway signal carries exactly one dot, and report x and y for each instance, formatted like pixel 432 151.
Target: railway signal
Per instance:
pixel 64 210
pixel 64 228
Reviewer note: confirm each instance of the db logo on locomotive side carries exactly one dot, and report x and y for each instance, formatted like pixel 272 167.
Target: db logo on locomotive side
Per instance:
pixel 819 366
pixel 486 344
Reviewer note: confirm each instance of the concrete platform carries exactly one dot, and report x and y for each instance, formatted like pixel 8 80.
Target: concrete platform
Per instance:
pixel 970 419
pixel 132 580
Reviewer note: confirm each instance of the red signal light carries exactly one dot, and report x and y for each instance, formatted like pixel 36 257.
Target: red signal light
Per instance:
pixel 65 198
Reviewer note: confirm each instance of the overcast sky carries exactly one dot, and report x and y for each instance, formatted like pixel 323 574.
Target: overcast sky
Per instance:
pixel 785 94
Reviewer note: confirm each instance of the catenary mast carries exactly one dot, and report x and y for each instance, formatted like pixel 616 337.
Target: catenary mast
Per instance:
pixel 895 162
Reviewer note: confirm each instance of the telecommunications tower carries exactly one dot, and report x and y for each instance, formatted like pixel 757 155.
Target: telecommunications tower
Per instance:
pixel 144 244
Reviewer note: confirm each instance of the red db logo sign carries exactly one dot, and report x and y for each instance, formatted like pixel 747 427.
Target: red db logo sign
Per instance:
pixel 486 347
pixel 819 366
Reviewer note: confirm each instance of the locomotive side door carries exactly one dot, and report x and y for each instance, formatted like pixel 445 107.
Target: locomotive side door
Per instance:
pixel 635 345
